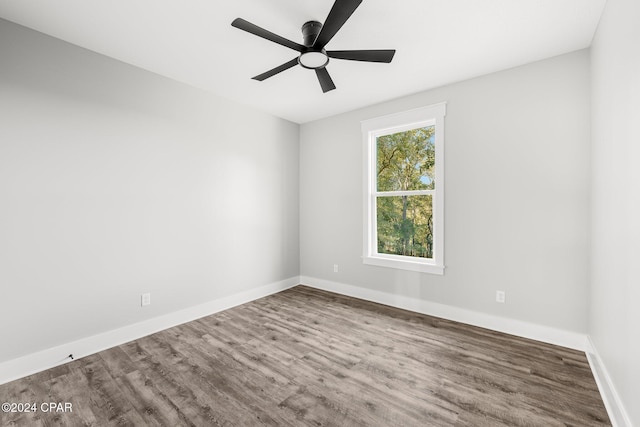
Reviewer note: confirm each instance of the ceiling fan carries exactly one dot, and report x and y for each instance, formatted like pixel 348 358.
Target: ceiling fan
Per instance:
pixel 316 36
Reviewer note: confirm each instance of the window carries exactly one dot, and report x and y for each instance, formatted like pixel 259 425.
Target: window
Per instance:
pixel 404 190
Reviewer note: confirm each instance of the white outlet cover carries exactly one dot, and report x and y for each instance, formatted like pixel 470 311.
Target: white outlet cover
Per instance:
pixel 146 299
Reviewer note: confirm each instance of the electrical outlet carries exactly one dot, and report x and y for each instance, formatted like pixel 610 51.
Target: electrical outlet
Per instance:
pixel 335 268
pixel 146 299
pixel 500 297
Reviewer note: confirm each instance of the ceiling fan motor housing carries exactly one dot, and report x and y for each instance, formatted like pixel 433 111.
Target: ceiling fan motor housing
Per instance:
pixel 312 59
pixel 310 31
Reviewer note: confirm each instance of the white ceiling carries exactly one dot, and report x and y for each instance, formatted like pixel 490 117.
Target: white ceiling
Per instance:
pixel 437 42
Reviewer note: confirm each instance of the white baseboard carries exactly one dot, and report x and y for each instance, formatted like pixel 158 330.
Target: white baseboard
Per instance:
pixel 617 413
pixel 519 328
pixel 45 359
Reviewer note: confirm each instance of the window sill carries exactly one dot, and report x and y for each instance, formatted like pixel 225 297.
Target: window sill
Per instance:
pixel 402 263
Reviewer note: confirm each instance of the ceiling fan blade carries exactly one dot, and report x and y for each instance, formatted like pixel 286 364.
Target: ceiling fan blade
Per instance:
pixel 363 55
pixel 340 12
pixel 261 32
pixel 278 69
pixel 325 79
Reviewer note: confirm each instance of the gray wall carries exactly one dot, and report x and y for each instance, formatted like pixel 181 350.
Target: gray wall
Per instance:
pixel 516 202
pixel 614 320
pixel 115 181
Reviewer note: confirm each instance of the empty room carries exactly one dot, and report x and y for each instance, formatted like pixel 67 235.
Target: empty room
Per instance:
pixel 320 213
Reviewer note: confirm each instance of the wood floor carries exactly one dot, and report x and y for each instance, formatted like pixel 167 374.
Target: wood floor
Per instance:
pixel 305 357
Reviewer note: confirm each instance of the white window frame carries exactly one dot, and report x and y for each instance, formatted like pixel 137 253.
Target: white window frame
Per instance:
pixel 386 125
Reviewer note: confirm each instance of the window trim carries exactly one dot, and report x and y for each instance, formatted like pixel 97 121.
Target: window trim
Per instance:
pixel 393 123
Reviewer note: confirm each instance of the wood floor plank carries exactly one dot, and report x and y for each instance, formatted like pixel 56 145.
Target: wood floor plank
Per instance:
pixel 117 362
pixel 305 357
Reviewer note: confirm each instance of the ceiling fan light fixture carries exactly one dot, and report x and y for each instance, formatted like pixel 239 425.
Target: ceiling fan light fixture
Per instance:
pixel 313 60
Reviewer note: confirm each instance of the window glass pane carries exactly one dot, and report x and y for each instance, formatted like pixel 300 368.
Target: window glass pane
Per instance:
pixel 405 225
pixel 406 160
